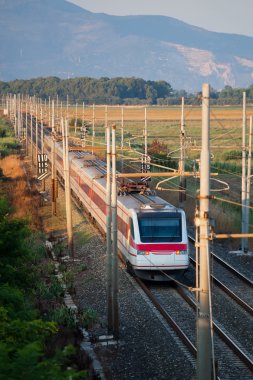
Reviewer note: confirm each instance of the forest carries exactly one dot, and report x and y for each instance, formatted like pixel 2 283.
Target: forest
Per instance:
pixel 125 91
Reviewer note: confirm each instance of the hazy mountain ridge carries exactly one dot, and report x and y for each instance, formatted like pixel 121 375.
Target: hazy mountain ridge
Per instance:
pixel 55 37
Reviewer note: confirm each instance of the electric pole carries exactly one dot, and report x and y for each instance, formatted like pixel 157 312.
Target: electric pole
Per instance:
pixel 108 232
pixel 145 139
pixel 36 138
pixel 65 134
pixel 204 367
pixel 247 211
pixel 115 240
pixel 244 180
pixel 31 130
pixel 182 181
pixel 93 126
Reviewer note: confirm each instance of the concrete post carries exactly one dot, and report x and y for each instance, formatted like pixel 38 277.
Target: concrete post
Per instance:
pixel 246 247
pixel 115 240
pixel 244 180
pixel 36 138
pixel 108 232
pixel 204 368
pixel 67 190
pixel 182 180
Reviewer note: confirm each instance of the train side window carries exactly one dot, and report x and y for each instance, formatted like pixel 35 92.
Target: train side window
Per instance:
pixel 131 227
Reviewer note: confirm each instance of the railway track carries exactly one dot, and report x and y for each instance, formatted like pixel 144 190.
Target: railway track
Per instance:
pixel 237 286
pixel 243 360
pixel 181 317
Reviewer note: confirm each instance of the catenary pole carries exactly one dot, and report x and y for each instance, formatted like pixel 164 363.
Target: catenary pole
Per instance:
pixel 76 120
pixel 204 368
pixel 182 180
pixel 67 189
pixel 31 130
pixel 93 126
pixel 42 140
pixel 108 231
pixel 53 173
pixel 26 127
pixel 36 138
pixel 122 138
pixel 114 240
pixel 244 180
pixel 246 247
pixel 145 139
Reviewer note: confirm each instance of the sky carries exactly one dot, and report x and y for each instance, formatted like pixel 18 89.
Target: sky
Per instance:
pixel 228 16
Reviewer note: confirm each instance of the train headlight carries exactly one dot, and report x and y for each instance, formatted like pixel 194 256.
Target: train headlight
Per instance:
pixel 181 252
pixel 143 253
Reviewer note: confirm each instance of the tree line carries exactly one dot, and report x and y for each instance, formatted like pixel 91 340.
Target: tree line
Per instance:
pixel 118 91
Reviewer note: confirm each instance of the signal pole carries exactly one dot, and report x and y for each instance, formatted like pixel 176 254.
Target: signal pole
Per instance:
pixel 115 240
pixel 204 368
pixel 244 181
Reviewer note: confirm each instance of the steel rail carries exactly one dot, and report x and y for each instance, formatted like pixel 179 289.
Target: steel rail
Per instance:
pixel 229 292
pixel 243 357
pixel 227 266
pixel 168 318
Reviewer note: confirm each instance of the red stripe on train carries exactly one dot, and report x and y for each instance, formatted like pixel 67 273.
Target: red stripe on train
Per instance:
pixel 159 247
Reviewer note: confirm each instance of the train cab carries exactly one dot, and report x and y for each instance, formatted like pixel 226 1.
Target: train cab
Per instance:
pixel 158 241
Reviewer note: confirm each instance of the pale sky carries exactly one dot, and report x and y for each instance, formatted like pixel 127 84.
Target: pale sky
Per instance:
pixel 228 16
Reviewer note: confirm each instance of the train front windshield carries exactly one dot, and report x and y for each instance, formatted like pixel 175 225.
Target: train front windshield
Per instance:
pixel 160 227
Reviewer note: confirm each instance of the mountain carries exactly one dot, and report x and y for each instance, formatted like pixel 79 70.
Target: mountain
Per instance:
pixel 58 38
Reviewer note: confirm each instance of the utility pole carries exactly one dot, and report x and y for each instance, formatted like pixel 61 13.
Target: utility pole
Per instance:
pixel 182 181
pixel 108 232
pixel 114 240
pixel 244 180
pixel 204 368
pixel 65 135
pixel 247 211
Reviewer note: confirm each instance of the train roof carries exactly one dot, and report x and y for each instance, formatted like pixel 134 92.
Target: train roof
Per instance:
pixel 96 169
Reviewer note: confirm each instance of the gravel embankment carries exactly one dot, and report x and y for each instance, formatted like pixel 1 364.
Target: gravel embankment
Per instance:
pixel 147 349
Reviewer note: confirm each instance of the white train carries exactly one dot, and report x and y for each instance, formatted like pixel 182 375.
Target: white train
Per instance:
pixel 152 234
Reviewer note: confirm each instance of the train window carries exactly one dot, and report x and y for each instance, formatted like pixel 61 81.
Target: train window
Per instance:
pixel 160 227
pixel 131 227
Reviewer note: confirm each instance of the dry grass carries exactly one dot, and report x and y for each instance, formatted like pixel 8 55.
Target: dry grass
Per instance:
pixel 23 198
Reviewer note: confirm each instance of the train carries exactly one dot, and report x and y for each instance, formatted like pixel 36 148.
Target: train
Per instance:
pixel 152 233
